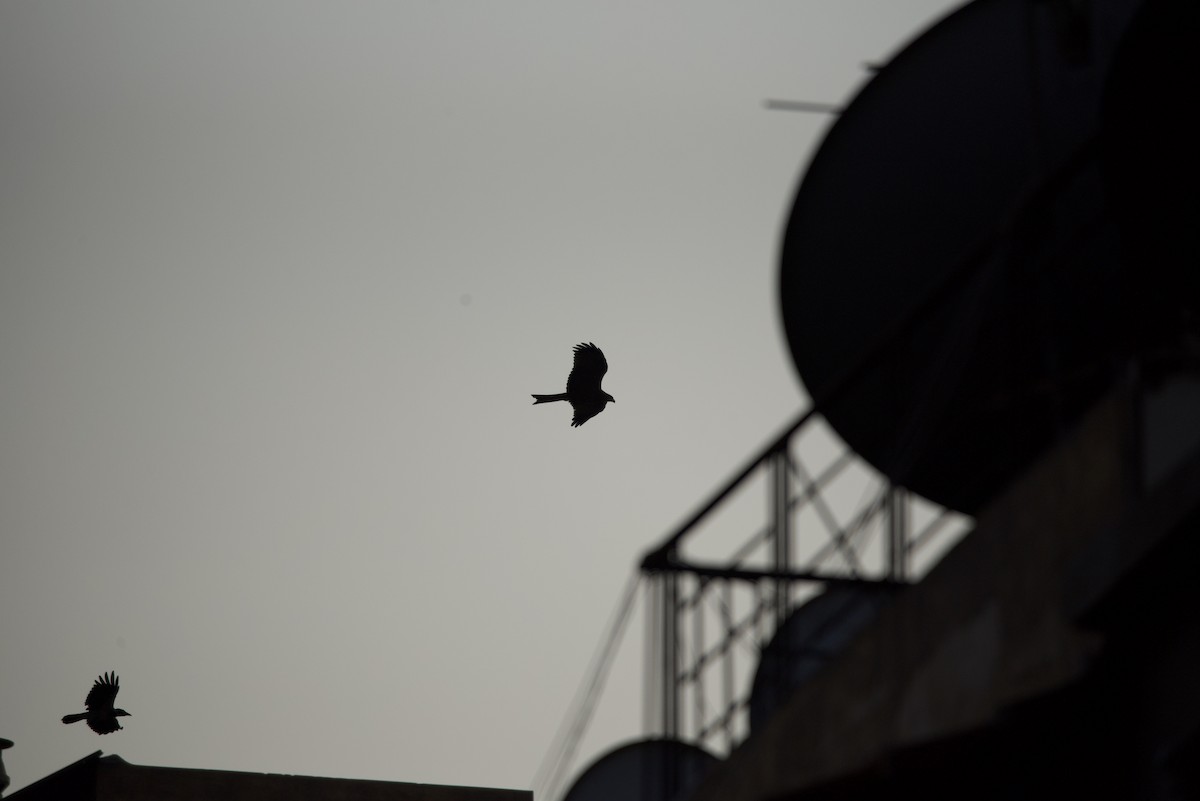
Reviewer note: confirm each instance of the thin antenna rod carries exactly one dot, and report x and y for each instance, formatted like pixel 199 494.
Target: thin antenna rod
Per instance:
pixel 802 105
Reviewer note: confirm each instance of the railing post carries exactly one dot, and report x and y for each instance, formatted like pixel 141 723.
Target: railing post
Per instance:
pixel 727 662
pixel 780 528
pixel 670 653
pixel 897 533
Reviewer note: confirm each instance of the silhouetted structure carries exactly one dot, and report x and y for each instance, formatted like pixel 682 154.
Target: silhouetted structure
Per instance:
pixel 990 286
pixel 110 778
pixel 642 771
pixel 997 224
pixel 3 774
pixel 101 715
pixel 583 385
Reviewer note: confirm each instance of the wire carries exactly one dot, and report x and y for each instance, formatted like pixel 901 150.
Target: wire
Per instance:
pixel 548 780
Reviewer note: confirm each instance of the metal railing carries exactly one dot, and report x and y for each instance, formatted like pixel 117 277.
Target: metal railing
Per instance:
pixel 830 521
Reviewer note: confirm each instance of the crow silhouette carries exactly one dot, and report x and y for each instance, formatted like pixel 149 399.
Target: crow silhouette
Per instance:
pixel 583 385
pixel 100 715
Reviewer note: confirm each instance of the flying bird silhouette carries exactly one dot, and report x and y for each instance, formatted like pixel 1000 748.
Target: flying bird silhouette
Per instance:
pixel 100 715
pixel 583 385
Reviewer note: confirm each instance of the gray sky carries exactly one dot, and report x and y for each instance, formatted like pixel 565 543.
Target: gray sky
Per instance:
pixel 276 282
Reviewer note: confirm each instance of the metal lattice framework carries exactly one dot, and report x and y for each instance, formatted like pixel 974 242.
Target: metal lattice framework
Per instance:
pixel 717 596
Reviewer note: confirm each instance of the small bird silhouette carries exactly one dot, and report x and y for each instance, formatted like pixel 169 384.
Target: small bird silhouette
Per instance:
pixel 100 715
pixel 583 385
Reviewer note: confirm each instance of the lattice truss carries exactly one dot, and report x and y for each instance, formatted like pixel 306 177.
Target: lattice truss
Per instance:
pixel 807 517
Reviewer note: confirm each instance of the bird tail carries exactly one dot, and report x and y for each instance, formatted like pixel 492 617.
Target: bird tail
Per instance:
pixel 547 398
pixel 73 718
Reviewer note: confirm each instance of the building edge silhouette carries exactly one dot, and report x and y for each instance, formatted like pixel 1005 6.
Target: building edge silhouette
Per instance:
pixel 110 778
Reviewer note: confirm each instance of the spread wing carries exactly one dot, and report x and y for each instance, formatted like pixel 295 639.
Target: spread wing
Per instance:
pixel 585 412
pixel 590 366
pixel 103 694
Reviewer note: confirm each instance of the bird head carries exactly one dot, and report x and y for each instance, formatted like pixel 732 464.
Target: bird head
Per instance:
pixel 121 713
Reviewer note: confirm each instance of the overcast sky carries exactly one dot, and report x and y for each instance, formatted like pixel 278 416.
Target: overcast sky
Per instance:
pixel 276 282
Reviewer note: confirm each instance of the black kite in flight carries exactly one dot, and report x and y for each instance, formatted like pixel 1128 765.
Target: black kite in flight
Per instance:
pixel 100 715
pixel 583 385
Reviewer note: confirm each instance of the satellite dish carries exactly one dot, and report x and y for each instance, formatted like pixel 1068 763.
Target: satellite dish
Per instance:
pixel 645 770
pixel 963 186
pixel 812 635
pixel 1149 145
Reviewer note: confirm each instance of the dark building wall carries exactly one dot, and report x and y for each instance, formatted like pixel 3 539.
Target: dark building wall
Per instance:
pixel 1052 651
